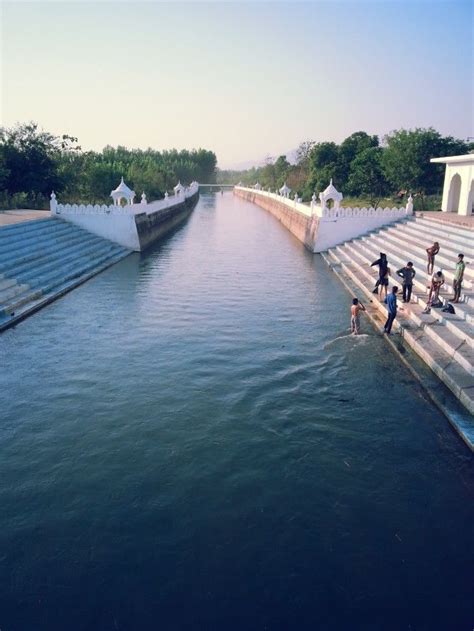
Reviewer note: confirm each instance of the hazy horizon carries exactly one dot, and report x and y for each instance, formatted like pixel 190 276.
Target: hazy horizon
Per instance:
pixel 245 80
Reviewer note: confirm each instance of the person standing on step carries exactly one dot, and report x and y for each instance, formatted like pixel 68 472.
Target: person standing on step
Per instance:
pixel 384 283
pixel 432 252
pixel 458 277
pixel 408 274
pixel 356 308
pixel 382 265
pixel 391 310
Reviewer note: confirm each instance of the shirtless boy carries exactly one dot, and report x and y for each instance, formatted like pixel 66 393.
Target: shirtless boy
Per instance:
pixel 356 308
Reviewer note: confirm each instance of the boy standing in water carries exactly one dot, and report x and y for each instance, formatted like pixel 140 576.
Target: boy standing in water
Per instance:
pixel 356 308
pixel 391 310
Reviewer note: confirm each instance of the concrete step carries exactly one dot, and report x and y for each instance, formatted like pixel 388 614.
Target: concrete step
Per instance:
pixel 451 373
pixel 11 248
pixel 444 234
pixel 454 323
pixel 54 250
pixel 43 259
pixel 411 243
pixel 369 250
pixel 449 249
pixel 5 283
pixel 46 227
pixel 400 257
pixel 41 286
pixel 55 246
pixel 13 290
pixel 29 274
pixel 37 300
pixel 23 226
pixel 444 227
pixel 454 367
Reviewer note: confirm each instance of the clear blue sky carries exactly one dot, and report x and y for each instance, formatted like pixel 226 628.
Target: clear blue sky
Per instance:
pixel 244 79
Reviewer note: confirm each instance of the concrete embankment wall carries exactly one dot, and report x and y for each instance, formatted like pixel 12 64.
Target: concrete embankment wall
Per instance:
pixel 135 226
pixel 302 226
pixel 153 226
pixel 120 229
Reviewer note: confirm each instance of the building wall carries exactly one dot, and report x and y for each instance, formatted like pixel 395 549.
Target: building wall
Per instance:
pixel 466 173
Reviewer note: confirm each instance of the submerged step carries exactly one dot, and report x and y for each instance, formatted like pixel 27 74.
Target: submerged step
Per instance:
pixel 444 341
pixel 41 260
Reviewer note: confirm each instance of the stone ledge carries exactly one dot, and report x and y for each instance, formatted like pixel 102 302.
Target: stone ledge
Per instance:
pixel 431 377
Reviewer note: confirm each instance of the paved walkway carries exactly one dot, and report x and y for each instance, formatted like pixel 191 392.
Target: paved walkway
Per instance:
pixel 18 215
pixel 466 221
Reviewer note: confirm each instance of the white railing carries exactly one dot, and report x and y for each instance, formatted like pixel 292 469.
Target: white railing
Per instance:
pixel 331 226
pixel 331 214
pixel 130 209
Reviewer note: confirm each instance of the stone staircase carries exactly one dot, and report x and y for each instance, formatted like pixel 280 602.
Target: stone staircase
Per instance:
pixel 41 260
pixel 444 341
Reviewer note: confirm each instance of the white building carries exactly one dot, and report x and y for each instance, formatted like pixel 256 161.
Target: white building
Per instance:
pixel 458 191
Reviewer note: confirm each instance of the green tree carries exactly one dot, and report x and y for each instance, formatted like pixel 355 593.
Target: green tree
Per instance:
pixel 323 166
pixel 349 149
pixel 367 177
pixel 30 160
pixel 406 159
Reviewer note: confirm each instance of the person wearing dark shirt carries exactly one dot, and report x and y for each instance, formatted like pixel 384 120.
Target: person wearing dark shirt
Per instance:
pixel 408 274
pixel 391 310
pixel 383 266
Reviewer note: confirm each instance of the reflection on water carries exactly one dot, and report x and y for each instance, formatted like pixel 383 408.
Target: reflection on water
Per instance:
pixel 185 444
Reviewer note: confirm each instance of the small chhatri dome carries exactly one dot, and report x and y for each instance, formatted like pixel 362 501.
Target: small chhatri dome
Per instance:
pixel 331 190
pixel 122 192
pixel 123 188
pixel 285 190
pixel 178 188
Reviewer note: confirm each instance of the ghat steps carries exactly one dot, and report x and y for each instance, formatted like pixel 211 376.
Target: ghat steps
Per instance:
pixel 444 341
pixel 41 260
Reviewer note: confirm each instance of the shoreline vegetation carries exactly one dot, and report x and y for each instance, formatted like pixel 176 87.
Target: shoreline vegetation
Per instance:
pixel 34 162
pixel 368 172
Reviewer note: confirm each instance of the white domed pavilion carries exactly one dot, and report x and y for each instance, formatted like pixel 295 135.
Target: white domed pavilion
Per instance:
pixel 122 192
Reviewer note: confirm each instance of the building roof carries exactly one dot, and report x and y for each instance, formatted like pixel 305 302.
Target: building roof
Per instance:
pixel 468 158
pixel 123 189
pixel 332 191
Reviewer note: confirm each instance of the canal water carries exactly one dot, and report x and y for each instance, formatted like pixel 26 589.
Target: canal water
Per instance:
pixel 191 441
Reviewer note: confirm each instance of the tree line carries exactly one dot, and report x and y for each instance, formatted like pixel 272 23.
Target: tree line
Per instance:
pixel 361 166
pixel 34 162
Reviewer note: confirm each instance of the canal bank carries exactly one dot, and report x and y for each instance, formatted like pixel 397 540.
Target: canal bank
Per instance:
pixel 208 448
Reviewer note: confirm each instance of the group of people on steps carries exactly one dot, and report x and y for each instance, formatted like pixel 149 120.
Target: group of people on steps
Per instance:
pixel 407 274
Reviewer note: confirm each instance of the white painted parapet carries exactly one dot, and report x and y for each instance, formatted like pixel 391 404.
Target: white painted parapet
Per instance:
pixel 115 222
pixel 332 226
